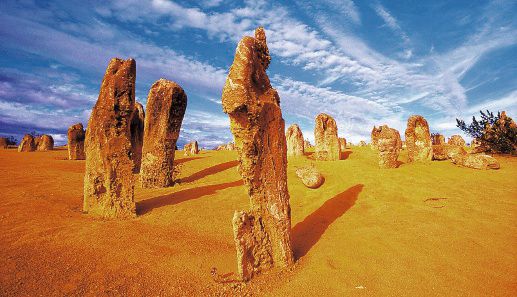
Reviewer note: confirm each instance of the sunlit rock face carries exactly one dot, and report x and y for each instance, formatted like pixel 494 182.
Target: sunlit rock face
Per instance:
pixel 108 178
pixel 388 144
pixel 456 140
pixel 28 144
pixel 166 105
pixel 262 234
pixel 295 142
pixel 191 148
pixel 76 136
pixel 418 139
pixel 325 134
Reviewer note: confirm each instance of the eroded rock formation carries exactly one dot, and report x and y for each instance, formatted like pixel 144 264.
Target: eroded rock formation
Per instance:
pixel 166 105
pixel 437 139
pixel 478 161
pixel 28 144
pixel 137 135
pixel 418 139
pixel 226 147
pixel 310 176
pixel 307 145
pixel 76 136
pixel 388 143
pixel 44 143
pixel 327 142
pixel 3 143
pixel 191 148
pixel 295 142
pixel 456 140
pixel 446 152
pixel 342 144
pixel 108 179
pixel 262 234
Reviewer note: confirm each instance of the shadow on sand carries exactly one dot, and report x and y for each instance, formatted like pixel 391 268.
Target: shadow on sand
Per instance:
pixel 344 155
pixel 146 206
pixel 209 171
pixel 307 233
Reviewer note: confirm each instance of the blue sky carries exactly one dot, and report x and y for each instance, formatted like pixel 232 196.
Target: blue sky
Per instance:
pixel 364 62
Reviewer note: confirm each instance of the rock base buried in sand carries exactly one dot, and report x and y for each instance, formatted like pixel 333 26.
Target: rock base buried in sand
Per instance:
pixel 310 176
pixel 446 152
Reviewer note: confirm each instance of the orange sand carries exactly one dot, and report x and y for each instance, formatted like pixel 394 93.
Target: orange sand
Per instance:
pixel 420 230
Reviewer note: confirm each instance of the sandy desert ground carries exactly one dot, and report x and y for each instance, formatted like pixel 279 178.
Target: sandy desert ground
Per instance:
pixel 420 230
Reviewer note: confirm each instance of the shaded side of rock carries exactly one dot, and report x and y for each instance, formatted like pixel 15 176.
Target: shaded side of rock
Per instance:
pixel 166 105
pixel 137 135
pixel 342 144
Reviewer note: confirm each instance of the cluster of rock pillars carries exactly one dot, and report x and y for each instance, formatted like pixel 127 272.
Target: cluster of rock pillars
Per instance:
pixel 115 147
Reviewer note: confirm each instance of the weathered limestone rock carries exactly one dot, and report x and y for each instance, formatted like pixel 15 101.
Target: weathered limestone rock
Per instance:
pixel 342 144
pixel 310 176
pixel 418 139
pixel 295 142
pixel 307 145
pixel 76 136
pixel 45 143
pixel 437 139
pixel 226 147
pixel 480 161
pixel 262 234
pixel 137 135
pixel 108 179
pixel 388 143
pixel 28 144
pixel 191 148
pixel 456 140
pixel 375 137
pixel 327 142
pixel 166 105
pixel 445 152
pixel 478 147
pixel 3 143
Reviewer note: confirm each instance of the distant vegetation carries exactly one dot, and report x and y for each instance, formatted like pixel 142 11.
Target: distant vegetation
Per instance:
pixel 12 141
pixel 497 133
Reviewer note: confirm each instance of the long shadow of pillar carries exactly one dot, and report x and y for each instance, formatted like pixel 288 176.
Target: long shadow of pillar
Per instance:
pixel 307 233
